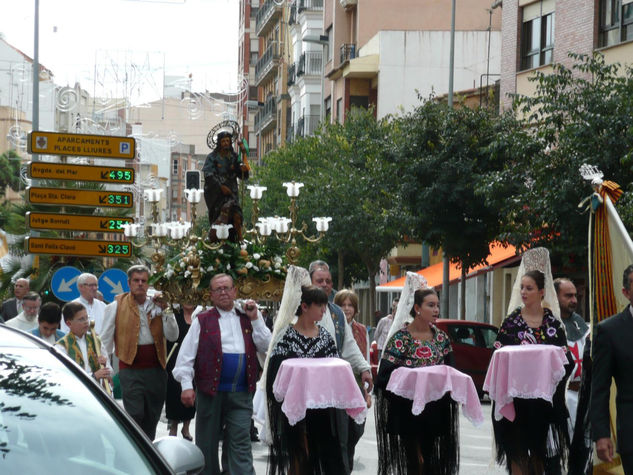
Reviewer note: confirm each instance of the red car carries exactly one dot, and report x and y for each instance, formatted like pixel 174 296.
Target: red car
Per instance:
pixel 472 348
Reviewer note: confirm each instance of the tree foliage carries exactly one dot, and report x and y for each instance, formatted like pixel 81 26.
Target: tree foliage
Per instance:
pixel 9 171
pixel 578 115
pixel 445 155
pixel 350 174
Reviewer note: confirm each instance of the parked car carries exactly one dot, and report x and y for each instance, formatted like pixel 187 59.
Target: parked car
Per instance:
pixel 472 347
pixel 472 344
pixel 54 418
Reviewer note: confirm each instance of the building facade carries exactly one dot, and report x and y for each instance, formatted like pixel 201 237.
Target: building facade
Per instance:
pixel 248 54
pixel 271 72
pixel 537 33
pixel 389 55
pixel 305 72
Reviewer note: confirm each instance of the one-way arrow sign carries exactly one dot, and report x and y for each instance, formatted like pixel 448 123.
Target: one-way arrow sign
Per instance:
pixel 64 283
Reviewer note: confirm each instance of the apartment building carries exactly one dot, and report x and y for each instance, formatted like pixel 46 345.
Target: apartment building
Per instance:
pixel 248 45
pixel 305 72
pixel 271 70
pixel 385 54
pixel 537 33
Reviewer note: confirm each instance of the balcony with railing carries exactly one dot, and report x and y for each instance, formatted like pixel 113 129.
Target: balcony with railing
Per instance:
pixel 310 64
pixel 310 5
pixel 292 74
pixel 266 118
pixel 348 52
pixel 267 64
pixel 306 125
pixel 267 14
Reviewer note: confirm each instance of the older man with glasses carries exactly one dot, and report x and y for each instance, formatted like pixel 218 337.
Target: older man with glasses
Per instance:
pixel 88 286
pixel 219 354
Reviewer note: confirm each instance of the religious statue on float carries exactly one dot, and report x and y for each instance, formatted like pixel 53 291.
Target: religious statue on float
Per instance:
pixel 222 168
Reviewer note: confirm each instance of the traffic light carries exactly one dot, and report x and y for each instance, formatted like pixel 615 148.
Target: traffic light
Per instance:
pixel 192 179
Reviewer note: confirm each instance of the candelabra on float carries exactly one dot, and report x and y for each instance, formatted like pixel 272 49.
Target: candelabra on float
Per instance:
pixel 284 229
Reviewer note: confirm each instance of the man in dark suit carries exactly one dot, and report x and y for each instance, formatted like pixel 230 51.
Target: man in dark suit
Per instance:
pixel 11 307
pixel 613 358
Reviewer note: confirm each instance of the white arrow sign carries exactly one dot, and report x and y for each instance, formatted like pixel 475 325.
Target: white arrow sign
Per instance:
pixel 116 288
pixel 65 286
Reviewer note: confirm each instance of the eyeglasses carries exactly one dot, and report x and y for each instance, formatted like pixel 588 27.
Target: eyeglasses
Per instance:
pixel 220 290
pixel 81 320
pixel 90 285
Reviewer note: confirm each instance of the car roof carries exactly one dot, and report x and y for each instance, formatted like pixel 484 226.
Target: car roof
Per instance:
pixel 14 338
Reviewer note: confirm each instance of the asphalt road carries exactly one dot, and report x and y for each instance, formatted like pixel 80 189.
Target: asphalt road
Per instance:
pixel 476 447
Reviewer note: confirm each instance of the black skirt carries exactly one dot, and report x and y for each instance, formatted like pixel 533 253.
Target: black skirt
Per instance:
pixel 538 436
pixel 407 444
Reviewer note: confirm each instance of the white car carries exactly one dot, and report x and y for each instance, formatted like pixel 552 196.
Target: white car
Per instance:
pixel 54 418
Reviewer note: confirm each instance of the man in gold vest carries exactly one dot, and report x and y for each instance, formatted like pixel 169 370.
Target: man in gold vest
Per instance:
pixel 137 326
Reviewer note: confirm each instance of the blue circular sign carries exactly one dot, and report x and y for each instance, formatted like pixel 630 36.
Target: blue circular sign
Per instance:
pixel 112 283
pixel 64 283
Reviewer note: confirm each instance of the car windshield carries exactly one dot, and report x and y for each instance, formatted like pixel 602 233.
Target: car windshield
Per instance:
pixel 51 422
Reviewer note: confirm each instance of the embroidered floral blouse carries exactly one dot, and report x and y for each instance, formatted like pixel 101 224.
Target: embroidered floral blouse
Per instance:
pixel 404 350
pixel 515 331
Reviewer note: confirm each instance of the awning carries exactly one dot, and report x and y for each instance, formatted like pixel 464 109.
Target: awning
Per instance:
pixel 499 255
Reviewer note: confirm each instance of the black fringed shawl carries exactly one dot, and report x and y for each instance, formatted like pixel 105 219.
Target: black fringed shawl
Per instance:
pixel 404 440
pixel 539 435
pixel 312 445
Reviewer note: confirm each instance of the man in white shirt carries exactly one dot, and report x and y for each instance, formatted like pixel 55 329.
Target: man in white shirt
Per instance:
pixel 384 324
pixel 88 287
pixel 219 353
pixel 27 318
pixel 136 326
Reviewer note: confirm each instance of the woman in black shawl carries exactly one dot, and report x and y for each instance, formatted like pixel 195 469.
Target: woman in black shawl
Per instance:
pixel 429 442
pixel 312 445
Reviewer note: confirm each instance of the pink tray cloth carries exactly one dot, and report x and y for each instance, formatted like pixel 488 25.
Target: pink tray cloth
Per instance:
pixel 523 371
pixel 318 383
pixel 430 383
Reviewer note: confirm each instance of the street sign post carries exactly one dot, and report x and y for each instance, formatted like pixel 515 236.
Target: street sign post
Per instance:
pixel 77 222
pixel 61 171
pixel 78 247
pixel 112 283
pixel 80 145
pixel 64 283
pixel 75 197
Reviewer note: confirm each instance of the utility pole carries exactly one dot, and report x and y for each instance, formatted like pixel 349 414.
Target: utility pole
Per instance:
pixel 451 72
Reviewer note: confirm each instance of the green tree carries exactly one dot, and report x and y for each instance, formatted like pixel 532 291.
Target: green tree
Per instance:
pixel 445 155
pixel 9 171
pixel 582 114
pixel 349 173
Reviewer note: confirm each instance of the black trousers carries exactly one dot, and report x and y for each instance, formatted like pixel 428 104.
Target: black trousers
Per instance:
pixel 143 394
